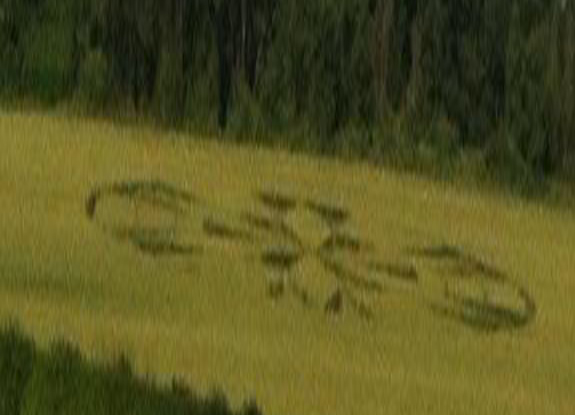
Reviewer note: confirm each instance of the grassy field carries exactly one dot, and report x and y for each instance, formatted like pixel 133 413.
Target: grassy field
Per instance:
pixel 314 286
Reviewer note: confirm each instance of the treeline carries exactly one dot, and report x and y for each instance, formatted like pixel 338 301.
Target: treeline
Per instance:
pixel 379 78
pixel 61 382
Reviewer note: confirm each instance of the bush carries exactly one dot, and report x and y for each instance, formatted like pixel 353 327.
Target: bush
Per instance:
pixel 55 384
pixel 247 120
pixel 15 17
pixel 17 359
pixel 62 382
pixel 506 164
pixel 354 141
pixel 49 52
pixel 170 90
pixel 94 80
pixel 439 148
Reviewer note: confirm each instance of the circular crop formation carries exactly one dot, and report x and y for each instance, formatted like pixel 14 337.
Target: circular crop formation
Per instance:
pixel 161 220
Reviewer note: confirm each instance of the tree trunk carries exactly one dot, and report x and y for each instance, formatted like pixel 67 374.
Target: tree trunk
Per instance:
pixel 170 88
pixel 569 85
pixel 381 58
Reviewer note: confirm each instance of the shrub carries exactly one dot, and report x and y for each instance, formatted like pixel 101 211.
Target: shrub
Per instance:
pixel 94 80
pixel 15 17
pixel 49 52
pixel 62 382
pixel 247 120
pixel 55 383
pixel 17 358
pixel 506 164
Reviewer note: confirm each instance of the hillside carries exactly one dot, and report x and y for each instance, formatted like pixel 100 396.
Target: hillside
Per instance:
pixel 312 285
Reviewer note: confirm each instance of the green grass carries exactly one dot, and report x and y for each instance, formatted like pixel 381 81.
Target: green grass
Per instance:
pixel 441 341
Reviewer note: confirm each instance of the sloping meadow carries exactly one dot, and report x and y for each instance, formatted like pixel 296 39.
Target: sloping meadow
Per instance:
pixel 312 285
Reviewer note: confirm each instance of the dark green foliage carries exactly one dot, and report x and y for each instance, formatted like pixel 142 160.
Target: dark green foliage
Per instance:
pixel 422 81
pixel 94 80
pixel 525 113
pixel 319 70
pixel 49 56
pixel 130 40
pixel 56 383
pixel 15 17
pixel 62 382
pixel 17 358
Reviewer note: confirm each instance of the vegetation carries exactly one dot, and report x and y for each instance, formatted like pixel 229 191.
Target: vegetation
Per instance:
pixel 409 82
pixel 313 285
pixel 60 381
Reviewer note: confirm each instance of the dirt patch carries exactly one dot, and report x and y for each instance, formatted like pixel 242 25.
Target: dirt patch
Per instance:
pixel 404 272
pixel 361 309
pixel 220 230
pixel 157 243
pixel 341 299
pixel 165 248
pixel 154 239
pixel 277 202
pixel 442 251
pixel 334 304
pixel 339 241
pixel 477 293
pixel 276 289
pixel 352 279
pixel 301 295
pixel 332 215
pixel 273 227
pixel 156 193
pixel 260 222
pixel 484 315
pixel 465 264
pixel 281 259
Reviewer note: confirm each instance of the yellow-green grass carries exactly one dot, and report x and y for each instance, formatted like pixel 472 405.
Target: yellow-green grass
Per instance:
pixel 209 317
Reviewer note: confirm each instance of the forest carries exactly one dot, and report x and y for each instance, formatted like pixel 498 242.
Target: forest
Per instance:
pixel 407 82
